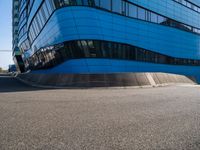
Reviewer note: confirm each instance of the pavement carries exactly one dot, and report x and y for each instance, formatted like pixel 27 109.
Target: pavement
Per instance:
pixel 162 118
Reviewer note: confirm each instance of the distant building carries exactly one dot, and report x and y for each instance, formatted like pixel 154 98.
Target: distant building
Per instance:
pixel 12 68
pixel 108 36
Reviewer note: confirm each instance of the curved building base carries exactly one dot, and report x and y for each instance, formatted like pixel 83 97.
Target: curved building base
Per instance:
pixel 104 80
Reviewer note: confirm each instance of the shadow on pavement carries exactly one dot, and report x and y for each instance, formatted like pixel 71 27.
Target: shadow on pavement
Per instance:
pixel 10 84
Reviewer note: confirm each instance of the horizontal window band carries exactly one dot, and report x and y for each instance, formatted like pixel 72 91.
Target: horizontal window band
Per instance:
pixel 52 56
pixel 189 5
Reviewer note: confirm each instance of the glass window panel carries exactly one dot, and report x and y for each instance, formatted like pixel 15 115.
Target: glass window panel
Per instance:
pixel 117 6
pixel 92 49
pixel 72 2
pixel 79 2
pixel 50 6
pixel 65 2
pixel 195 8
pixel 105 4
pixel 184 2
pixel 85 2
pixel 123 8
pixel 141 13
pixel 161 19
pixel 91 2
pixel 132 11
pixel 154 17
pixel 46 12
pixel 97 3
pixel 189 5
pixel 41 19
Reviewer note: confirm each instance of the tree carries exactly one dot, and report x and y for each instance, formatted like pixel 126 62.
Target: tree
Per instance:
pixel 2 70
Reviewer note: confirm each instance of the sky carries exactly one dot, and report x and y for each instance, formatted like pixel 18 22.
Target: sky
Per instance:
pixel 5 33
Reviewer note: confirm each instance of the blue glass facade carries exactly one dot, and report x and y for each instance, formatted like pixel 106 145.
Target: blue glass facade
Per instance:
pixel 110 36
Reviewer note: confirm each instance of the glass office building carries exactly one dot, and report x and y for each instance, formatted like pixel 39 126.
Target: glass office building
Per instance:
pixel 109 36
pixel 17 55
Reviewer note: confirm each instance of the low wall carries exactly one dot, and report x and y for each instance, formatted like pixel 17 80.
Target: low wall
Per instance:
pixel 104 80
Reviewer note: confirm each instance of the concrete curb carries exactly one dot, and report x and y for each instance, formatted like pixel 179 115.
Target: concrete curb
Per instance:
pixel 150 80
pixel 63 87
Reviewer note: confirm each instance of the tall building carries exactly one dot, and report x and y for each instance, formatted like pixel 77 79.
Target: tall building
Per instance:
pixel 17 55
pixel 109 36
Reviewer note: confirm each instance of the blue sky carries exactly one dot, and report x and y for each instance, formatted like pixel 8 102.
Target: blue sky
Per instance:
pixel 5 32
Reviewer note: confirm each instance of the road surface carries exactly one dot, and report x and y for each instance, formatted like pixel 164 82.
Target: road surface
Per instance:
pixel 165 118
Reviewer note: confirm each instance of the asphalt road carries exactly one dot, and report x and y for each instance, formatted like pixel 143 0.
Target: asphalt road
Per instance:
pixel 166 118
